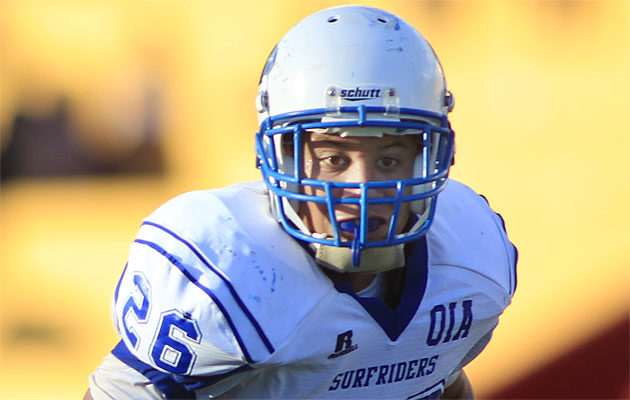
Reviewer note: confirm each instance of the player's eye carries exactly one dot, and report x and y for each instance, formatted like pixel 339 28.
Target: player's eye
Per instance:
pixel 387 162
pixel 335 161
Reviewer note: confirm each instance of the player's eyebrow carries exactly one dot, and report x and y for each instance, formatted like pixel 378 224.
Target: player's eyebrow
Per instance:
pixel 397 143
pixel 330 143
pixel 346 144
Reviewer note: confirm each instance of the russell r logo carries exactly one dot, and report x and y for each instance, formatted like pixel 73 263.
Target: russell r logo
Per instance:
pixel 344 345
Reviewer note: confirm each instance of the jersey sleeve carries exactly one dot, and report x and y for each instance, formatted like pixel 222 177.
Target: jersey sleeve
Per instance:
pixel 114 379
pixel 470 239
pixel 178 321
pixel 207 294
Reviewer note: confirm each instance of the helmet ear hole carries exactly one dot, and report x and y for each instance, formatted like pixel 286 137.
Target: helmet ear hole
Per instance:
pixel 449 101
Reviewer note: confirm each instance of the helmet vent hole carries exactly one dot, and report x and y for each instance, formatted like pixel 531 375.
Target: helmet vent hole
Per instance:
pixel 381 19
pixel 333 19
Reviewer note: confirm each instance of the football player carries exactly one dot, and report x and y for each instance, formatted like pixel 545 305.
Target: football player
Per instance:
pixel 340 275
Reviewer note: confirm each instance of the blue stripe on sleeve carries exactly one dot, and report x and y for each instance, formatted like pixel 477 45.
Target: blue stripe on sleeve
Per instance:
pixel 206 290
pixel 227 283
pixel 173 386
pixel 514 269
pixel 513 275
pixel 118 285
pixel 164 382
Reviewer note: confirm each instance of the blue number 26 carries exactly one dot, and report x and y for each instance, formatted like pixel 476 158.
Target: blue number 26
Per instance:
pixel 170 349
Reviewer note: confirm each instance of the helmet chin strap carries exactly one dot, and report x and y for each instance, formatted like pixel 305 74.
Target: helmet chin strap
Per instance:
pixel 352 226
pixel 372 259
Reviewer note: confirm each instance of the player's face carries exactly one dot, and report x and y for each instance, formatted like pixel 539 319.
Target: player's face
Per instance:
pixel 356 159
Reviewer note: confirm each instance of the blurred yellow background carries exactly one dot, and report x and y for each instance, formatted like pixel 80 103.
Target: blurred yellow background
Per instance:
pixel 542 93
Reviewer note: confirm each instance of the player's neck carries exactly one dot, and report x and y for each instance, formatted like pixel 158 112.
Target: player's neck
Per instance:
pixel 358 281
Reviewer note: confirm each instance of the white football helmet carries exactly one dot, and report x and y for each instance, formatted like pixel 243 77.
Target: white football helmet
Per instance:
pixel 354 71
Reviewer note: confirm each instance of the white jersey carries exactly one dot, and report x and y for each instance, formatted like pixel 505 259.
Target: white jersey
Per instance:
pixel 217 300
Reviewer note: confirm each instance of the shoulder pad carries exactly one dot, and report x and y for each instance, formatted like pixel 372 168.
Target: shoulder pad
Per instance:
pixel 466 233
pixel 212 273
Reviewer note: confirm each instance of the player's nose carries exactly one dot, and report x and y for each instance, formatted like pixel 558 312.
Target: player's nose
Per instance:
pixel 360 170
pixel 357 172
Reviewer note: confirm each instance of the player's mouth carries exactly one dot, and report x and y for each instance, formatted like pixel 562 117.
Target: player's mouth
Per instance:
pixel 376 227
